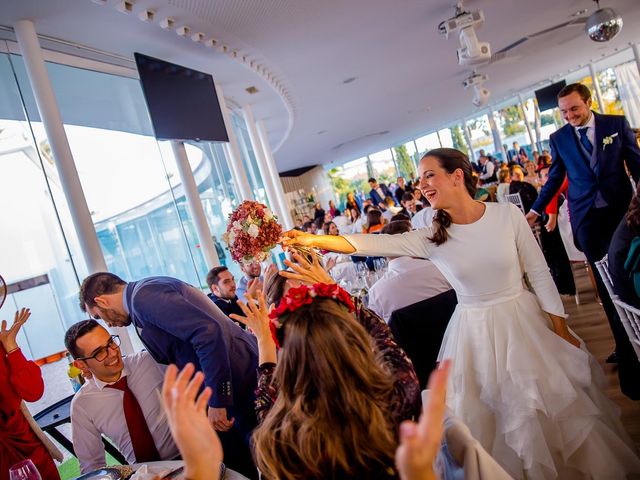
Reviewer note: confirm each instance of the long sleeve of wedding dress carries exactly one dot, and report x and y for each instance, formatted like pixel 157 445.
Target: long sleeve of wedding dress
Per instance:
pixel 411 244
pixel 533 263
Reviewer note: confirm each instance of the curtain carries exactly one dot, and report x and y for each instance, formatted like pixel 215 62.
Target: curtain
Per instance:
pixel 629 88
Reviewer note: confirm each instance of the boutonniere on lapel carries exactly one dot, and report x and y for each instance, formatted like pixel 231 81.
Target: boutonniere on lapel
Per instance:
pixel 608 140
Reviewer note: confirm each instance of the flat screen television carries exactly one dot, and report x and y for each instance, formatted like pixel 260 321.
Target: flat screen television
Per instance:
pixel 182 102
pixel 548 96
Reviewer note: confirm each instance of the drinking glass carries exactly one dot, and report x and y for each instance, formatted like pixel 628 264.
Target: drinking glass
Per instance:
pixel 24 470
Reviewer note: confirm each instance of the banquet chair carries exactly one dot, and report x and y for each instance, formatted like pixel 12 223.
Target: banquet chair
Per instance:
pixel 516 199
pixel 629 316
pixel 419 328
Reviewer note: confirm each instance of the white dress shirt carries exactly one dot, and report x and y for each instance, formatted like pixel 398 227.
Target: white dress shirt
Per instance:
pixel 591 129
pixel 407 281
pixel 489 169
pixel 422 219
pixel 97 410
pixel 342 223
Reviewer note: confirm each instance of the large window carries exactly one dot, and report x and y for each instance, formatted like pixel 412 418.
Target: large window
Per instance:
pixel 384 168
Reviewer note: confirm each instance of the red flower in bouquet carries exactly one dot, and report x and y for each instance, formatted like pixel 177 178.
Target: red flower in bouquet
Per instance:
pixel 252 232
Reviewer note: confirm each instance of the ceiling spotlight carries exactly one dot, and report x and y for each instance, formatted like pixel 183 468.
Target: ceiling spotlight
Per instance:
pixel 197 37
pixel 603 25
pixel 99 2
pixel 471 51
pixel 211 43
pixel 183 31
pixel 124 7
pixel 147 15
pixel 167 23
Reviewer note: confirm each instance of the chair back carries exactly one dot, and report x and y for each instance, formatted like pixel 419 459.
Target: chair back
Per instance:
pixel 629 316
pixel 419 329
pixel 516 199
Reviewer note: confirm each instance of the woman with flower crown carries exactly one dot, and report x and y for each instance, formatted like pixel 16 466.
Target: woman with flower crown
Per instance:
pixel 521 380
pixel 331 402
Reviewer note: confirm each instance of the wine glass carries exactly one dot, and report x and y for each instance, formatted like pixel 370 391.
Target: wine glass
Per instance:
pixel 24 470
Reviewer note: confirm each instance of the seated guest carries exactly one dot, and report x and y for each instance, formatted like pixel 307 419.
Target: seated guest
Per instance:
pixel 402 189
pixel 121 400
pixel 351 428
pixel 407 280
pixel 21 381
pixel 423 218
pixel 330 228
pixel 357 221
pixel 341 221
pixel 353 201
pixel 374 221
pixel 488 174
pixel 310 227
pixel 504 179
pixel 528 192
pixel 409 205
pixel 400 217
pixel 420 198
pixel 223 290
pixel 252 273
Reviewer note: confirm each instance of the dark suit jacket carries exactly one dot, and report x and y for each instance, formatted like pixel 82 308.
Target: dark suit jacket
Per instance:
pixel 375 196
pixel 179 324
pixel 611 178
pixel 618 253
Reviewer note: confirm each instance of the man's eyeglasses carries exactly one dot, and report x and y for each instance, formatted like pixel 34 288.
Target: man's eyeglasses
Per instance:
pixel 103 352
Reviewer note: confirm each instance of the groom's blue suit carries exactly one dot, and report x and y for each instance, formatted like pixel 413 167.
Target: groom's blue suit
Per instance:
pixel 604 172
pixel 599 195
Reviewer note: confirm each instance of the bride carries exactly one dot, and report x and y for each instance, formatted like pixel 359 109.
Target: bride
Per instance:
pixel 521 380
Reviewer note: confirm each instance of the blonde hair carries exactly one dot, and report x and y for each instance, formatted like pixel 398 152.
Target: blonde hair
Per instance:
pixel 331 418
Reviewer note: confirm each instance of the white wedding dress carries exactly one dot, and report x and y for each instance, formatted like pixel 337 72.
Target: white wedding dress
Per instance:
pixel 532 399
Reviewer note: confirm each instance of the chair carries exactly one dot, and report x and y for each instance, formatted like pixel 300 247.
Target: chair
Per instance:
pixel 629 316
pixel 419 329
pixel 516 199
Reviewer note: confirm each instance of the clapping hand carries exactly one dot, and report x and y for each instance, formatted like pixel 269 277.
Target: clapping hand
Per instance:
pixel 306 271
pixel 420 443
pixel 199 445
pixel 8 336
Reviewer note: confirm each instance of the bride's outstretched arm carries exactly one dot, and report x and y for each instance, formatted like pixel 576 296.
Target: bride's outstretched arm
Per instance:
pixel 412 244
pixel 535 266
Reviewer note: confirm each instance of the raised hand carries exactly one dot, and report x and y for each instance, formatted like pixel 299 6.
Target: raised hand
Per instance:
pixel 199 445
pixel 257 319
pixel 270 272
pixel 296 238
pixel 306 271
pixel 420 443
pixel 8 336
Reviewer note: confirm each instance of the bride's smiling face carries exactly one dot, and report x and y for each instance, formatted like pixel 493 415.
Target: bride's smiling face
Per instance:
pixel 437 185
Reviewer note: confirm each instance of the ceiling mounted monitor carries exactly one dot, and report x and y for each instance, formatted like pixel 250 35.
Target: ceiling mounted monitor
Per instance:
pixel 548 96
pixel 182 102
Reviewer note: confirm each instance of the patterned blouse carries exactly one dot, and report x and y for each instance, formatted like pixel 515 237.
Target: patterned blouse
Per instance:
pixel 406 389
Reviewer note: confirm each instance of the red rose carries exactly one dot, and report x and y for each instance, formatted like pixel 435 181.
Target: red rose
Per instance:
pixel 327 290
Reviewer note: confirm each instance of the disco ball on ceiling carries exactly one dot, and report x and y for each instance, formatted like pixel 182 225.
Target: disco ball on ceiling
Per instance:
pixel 603 25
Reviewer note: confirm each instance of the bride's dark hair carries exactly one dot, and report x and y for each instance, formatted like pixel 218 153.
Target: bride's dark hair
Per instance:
pixel 450 160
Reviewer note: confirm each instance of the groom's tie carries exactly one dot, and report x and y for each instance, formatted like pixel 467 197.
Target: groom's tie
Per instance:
pixel 584 140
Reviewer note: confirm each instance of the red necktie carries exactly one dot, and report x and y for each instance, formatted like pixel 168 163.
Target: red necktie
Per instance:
pixel 141 439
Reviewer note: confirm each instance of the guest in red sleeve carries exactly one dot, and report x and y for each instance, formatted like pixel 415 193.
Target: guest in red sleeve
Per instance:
pixel 20 380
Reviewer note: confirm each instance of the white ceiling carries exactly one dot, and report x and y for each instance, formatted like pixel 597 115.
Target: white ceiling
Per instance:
pixel 407 78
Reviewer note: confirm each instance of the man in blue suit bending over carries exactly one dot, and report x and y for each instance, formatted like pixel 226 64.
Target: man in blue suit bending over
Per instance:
pixel 179 324
pixel 593 150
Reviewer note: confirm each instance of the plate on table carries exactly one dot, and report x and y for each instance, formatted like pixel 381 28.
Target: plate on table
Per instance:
pixel 107 474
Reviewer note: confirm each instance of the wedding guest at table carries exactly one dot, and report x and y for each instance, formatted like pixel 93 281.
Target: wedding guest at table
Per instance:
pixel 516 360
pixel 310 227
pixel 416 457
pixel 219 250
pixel 179 324
pixel 374 221
pixel 119 400
pixel 409 205
pixel 341 221
pixel 21 381
pixel 420 199
pixel 357 221
pixel 504 179
pixel 403 188
pixel 223 290
pixel 354 423
pixel 318 212
pixel 332 208
pixel 330 228
pixel 487 174
pixel 353 201
pixel 407 280
pixel 252 273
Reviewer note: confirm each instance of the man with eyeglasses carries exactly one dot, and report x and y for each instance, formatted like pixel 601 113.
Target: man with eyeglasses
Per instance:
pixel 121 400
pixel 179 324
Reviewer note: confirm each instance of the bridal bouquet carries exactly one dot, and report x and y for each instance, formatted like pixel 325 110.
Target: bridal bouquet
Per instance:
pixel 252 232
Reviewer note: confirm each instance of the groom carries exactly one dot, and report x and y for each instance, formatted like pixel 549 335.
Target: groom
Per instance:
pixel 593 149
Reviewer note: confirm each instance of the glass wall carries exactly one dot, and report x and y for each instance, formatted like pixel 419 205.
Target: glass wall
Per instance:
pixel 480 133
pixel 249 158
pixel 427 142
pixel 131 184
pixel 384 168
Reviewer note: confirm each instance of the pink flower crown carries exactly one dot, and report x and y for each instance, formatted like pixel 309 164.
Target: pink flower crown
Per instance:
pixel 304 295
